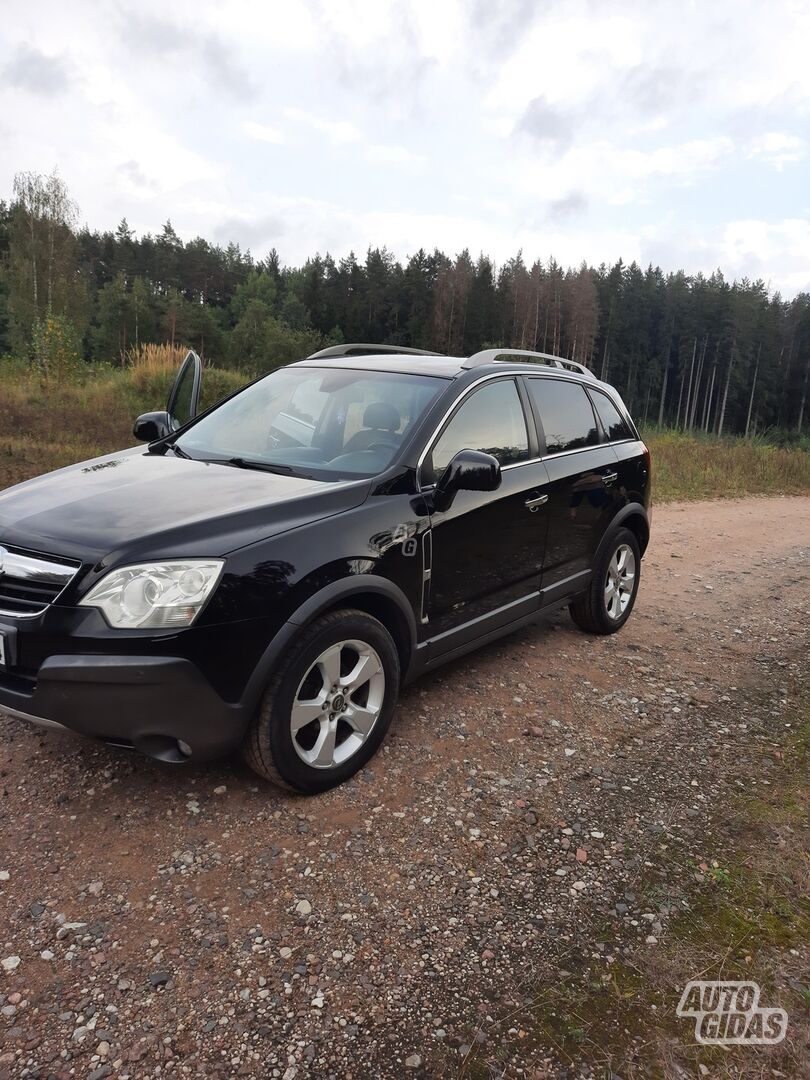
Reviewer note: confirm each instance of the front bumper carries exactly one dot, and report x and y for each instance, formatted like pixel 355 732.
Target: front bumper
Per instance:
pixel 153 704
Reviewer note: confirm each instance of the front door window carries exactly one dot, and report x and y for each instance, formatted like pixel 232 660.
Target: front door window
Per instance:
pixel 490 419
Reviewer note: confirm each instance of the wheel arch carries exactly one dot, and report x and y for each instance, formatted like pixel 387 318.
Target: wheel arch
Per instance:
pixel 374 595
pixel 384 608
pixel 635 518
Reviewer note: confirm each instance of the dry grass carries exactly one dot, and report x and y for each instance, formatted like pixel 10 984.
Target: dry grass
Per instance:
pixel 46 424
pixel 151 357
pixel 154 363
pixel 691 467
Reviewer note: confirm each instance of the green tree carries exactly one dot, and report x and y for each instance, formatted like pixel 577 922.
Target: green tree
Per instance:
pixel 173 317
pixel 140 303
pixel 5 228
pixel 261 342
pixel 55 345
pixel 294 314
pixel 42 271
pixel 168 248
pixel 111 335
pixel 258 285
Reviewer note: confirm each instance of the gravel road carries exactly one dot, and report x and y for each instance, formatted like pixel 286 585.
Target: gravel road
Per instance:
pixel 193 922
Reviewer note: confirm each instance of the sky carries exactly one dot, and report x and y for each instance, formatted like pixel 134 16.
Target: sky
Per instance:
pixel 672 133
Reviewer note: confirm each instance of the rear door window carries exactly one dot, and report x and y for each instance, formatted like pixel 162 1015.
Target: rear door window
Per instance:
pixel 566 414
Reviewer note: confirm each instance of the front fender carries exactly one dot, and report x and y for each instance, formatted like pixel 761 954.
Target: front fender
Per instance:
pixel 323 600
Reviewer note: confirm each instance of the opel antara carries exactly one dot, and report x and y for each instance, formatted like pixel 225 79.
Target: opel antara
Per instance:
pixel 265 576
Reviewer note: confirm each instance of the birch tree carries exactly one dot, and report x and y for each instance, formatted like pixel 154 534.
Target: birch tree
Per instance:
pixel 43 264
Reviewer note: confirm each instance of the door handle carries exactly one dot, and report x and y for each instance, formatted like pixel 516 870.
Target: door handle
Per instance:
pixel 536 502
pixel 610 477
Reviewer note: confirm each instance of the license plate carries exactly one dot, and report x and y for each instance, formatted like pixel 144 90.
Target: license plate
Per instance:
pixel 3 660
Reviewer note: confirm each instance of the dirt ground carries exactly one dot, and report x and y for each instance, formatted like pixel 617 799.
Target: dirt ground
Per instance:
pixel 191 921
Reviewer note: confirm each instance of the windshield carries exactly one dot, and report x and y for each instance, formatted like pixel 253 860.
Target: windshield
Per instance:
pixel 326 423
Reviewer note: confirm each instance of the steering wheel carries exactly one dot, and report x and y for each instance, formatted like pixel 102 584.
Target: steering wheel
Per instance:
pixel 382 445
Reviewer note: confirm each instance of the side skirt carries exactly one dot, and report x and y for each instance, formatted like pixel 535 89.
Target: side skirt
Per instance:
pixel 481 631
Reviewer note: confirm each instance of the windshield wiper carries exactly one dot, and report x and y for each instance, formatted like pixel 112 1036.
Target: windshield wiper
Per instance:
pixel 264 466
pixel 178 451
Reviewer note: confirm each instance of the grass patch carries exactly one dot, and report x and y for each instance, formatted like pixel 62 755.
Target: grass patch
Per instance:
pixel 748 919
pixel 742 916
pixel 750 922
pixel 702 467
pixel 45 424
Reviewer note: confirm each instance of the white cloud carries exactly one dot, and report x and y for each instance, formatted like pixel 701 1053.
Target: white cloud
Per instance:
pixel 617 175
pixel 576 128
pixel 778 149
pixel 338 132
pixel 565 58
pixel 262 132
pixel 775 251
pixel 380 154
pixel 343 133
pixel 768 244
pixel 682 161
pixel 300 226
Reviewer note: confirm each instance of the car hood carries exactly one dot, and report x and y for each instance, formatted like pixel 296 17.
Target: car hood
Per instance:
pixel 135 504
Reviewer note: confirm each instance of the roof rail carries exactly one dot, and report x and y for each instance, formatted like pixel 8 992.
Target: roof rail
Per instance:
pixel 488 356
pixel 361 349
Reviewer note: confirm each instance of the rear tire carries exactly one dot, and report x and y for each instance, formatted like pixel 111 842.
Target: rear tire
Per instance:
pixel 611 595
pixel 328 706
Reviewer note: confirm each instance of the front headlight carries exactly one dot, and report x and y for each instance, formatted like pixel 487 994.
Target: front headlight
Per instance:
pixel 155 595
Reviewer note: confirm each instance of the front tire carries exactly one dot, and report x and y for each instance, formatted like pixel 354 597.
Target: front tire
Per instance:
pixel 328 706
pixel 611 595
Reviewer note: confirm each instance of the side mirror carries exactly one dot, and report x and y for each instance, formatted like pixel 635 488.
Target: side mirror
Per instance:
pixel 151 426
pixel 470 470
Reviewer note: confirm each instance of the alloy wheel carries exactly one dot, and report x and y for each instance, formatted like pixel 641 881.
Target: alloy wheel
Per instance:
pixel 620 581
pixel 337 704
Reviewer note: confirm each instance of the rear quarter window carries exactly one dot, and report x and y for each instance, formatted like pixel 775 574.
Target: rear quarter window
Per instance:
pixel 614 424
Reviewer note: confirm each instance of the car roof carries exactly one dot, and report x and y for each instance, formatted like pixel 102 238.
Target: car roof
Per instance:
pixel 451 367
pixel 446 367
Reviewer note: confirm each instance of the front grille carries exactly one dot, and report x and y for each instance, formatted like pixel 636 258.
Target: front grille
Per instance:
pixel 29 582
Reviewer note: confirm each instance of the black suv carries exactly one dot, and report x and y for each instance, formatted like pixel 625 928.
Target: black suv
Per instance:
pixel 267 574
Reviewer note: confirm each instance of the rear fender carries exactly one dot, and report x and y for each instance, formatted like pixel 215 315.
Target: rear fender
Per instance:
pixel 633 516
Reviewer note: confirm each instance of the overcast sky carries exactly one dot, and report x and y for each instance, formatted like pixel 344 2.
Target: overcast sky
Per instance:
pixel 673 133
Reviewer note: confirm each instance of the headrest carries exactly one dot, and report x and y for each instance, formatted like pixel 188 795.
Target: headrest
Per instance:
pixel 382 416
